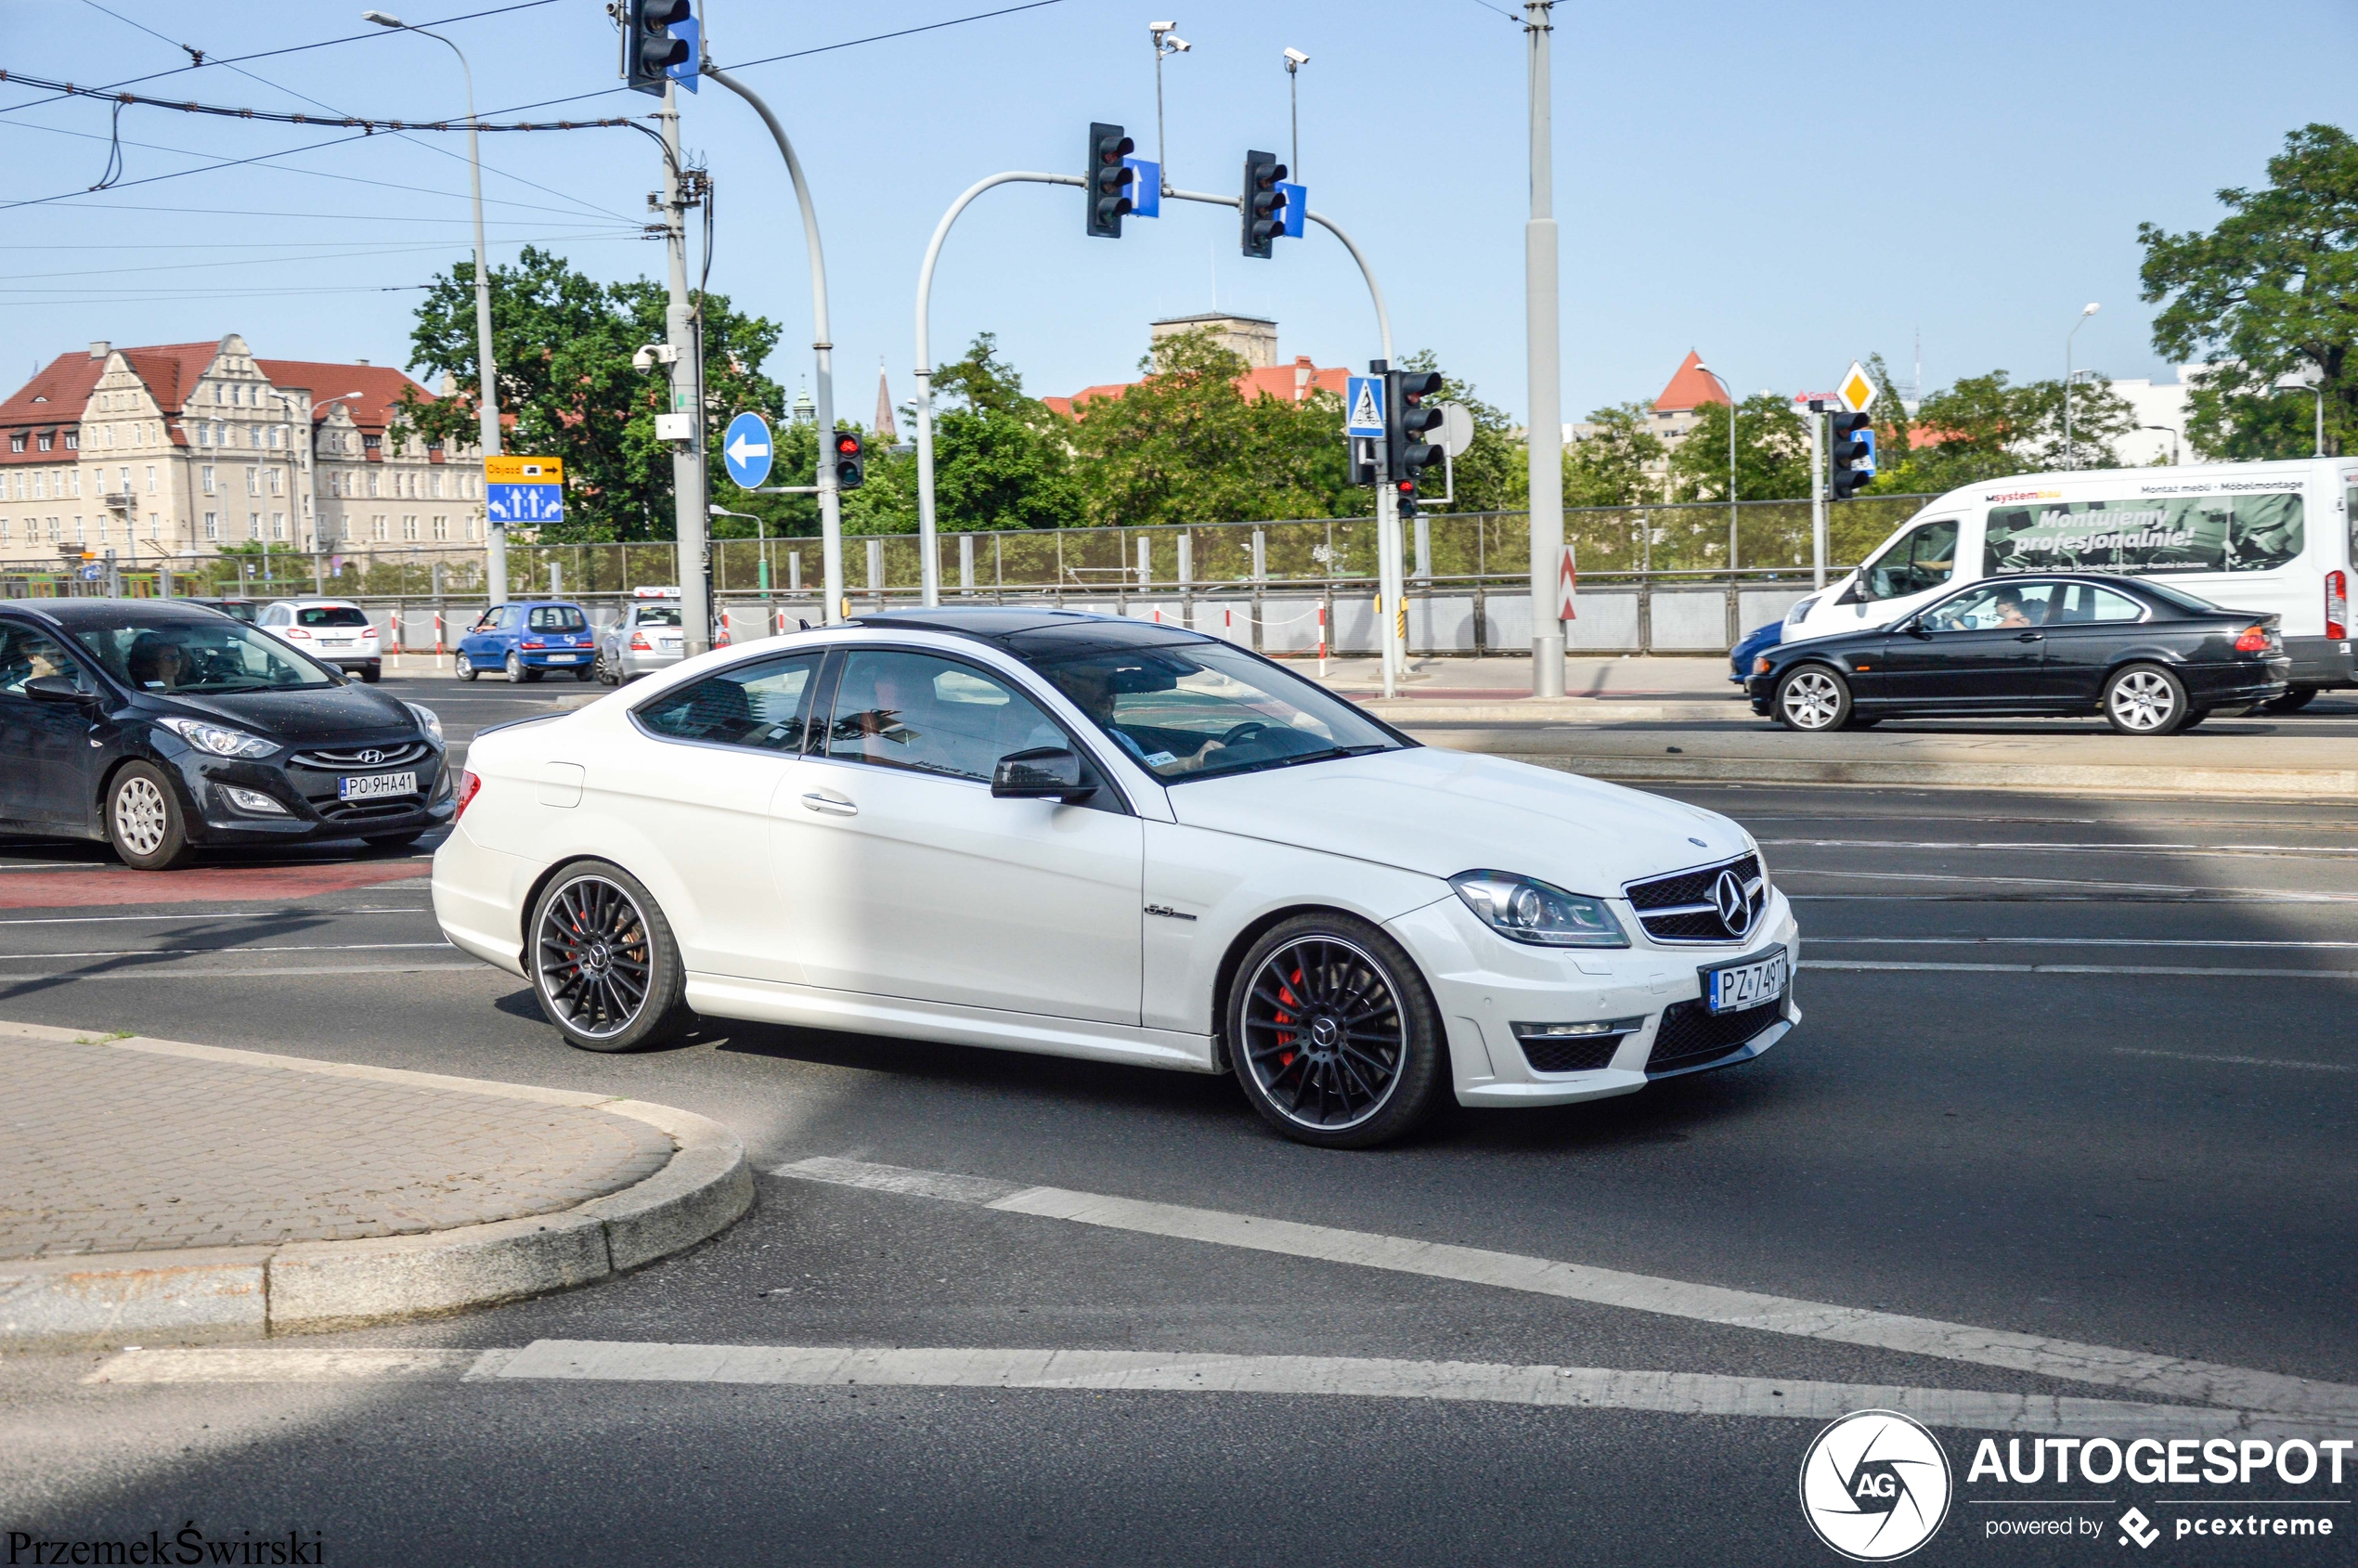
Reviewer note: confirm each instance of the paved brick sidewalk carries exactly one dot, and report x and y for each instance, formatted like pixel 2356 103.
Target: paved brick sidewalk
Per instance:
pixel 104 1150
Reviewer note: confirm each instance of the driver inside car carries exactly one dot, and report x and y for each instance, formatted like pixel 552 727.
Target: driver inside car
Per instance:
pixel 1091 687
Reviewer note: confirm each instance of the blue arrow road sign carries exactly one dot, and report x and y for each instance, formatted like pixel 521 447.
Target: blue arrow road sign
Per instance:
pixel 1146 187
pixel 1296 210
pixel 524 503
pixel 1363 400
pixel 746 450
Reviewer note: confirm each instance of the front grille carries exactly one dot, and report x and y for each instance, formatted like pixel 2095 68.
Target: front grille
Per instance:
pixel 398 754
pixel 1679 908
pixel 1581 1053
pixel 1691 1034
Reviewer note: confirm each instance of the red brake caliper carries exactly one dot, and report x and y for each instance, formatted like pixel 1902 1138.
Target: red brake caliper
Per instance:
pixel 1285 995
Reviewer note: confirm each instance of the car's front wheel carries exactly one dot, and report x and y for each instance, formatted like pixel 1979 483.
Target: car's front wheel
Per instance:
pixel 604 966
pixel 464 667
pixel 1812 699
pixel 144 822
pixel 607 674
pixel 2146 699
pixel 1333 1035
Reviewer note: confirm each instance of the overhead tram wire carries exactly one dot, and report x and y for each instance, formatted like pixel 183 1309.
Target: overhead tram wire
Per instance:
pixel 370 126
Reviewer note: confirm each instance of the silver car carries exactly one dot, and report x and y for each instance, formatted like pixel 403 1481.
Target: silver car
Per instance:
pixel 645 640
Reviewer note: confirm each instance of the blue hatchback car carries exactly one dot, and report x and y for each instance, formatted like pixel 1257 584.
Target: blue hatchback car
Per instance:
pixel 528 639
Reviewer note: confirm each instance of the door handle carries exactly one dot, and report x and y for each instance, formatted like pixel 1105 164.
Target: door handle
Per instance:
pixel 2030 637
pixel 833 804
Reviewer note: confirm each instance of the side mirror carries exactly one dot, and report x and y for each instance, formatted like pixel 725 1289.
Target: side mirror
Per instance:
pixel 1849 595
pixel 1049 773
pixel 57 689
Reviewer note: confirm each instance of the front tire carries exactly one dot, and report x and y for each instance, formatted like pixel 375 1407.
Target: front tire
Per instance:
pixel 464 667
pixel 1332 1033
pixel 144 822
pixel 604 966
pixel 607 674
pixel 2146 699
pixel 1812 699
pixel 2293 701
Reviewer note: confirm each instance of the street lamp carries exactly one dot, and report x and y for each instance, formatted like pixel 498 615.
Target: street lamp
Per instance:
pixel 310 459
pixel 1295 61
pixel 1166 42
pixel 2070 459
pixel 1731 394
pixel 759 535
pixel 2172 434
pixel 495 533
pixel 2317 384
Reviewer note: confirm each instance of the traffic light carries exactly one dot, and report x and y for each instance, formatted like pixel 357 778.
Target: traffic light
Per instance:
pixel 1407 416
pixel 649 47
pixel 849 473
pixel 1109 181
pixel 1848 441
pixel 1263 210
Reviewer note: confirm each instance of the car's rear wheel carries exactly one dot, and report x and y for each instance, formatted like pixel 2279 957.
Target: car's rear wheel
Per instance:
pixel 371 673
pixel 584 673
pixel 604 964
pixel 2145 699
pixel 2293 701
pixel 144 822
pixel 1812 699
pixel 464 667
pixel 1333 1035
pixel 607 674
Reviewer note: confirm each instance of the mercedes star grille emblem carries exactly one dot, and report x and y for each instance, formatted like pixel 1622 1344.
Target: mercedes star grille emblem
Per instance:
pixel 1735 910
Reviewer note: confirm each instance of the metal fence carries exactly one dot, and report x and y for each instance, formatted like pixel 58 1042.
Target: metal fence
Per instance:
pixel 1659 579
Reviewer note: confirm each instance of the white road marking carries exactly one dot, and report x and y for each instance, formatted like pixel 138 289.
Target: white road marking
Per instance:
pixel 2286 895
pixel 2266 849
pixel 2161 1376
pixel 2086 970
pixel 211 915
pixel 78 976
pixel 184 952
pixel 1130 1371
pixel 2235 1061
pixel 2063 942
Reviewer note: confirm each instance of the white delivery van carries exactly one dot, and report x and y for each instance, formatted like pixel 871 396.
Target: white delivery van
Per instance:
pixel 2255 535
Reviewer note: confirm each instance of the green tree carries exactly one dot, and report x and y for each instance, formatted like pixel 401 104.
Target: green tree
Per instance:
pixel 1985 427
pixel 1493 474
pixel 563 343
pixel 1185 446
pixel 1610 466
pixel 2273 290
pixel 1772 453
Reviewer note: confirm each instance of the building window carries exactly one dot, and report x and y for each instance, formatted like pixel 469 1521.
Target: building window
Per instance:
pixel 54 535
pixel 208 478
pixel 409 527
pixel 73 441
pixel 16 441
pixel 253 525
pixel 4 530
pixel 125 475
pixel 45 440
pixel 213 524
pixel 377 526
pixel 278 525
pixel 441 528
pixel 151 479
pixel 437 486
pixel 79 536
pixel 253 481
pixel 372 481
pixel 275 475
pixel 155 527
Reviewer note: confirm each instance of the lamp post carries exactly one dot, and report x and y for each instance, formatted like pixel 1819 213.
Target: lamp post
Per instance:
pixel 1295 61
pixel 310 458
pixel 1542 347
pixel 2172 434
pixel 495 532
pixel 2303 383
pixel 2070 459
pixel 1166 42
pixel 1731 393
pixel 759 532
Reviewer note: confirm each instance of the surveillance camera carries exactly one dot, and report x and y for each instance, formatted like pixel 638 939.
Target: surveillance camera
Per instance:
pixel 1295 57
pixel 1179 45
pixel 645 359
pixel 1159 28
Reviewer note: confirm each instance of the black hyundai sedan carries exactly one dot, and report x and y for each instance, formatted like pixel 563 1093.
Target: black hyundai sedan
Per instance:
pixel 160 727
pixel 2148 657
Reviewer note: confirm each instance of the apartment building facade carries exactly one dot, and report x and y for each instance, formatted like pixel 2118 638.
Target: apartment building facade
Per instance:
pixel 176 450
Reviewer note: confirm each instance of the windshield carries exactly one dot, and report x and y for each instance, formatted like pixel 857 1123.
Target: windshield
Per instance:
pixel 199 656
pixel 1198 710
pixel 659 614
pixel 329 615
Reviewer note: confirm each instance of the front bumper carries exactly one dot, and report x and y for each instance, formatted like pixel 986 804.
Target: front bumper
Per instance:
pixel 311 806
pixel 1484 985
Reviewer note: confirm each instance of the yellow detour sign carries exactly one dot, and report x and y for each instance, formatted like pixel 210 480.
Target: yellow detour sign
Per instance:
pixel 524 471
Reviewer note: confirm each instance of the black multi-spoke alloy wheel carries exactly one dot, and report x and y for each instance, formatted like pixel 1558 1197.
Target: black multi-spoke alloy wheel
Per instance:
pixel 1332 1032
pixel 604 964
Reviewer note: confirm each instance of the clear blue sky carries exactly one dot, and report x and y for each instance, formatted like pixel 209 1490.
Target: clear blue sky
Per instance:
pixel 1732 179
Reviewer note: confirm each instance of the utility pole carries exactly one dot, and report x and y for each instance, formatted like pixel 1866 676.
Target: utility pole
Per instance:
pixel 1541 335
pixel 687 457
pixel 1817 490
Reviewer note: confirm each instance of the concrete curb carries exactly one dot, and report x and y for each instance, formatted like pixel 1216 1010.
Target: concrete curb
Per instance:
pixel 255 1292
pixel 2027 778
pixel 1403 711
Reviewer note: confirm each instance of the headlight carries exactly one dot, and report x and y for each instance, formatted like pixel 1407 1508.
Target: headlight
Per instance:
pixel 218 739
pixel 1800 612
pixel 427 721
pixel 1522 909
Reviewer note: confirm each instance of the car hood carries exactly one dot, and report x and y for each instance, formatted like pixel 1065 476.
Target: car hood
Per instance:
pixel 318 714
pixel 1440 812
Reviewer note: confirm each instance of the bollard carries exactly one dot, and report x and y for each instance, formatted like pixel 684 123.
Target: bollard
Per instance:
pixel 1322 642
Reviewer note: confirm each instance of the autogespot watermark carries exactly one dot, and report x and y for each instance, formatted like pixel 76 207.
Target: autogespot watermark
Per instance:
pixel 1876 1485
pixel 188 1545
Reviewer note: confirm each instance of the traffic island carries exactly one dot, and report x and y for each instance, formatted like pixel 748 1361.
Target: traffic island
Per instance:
pixel 160 1191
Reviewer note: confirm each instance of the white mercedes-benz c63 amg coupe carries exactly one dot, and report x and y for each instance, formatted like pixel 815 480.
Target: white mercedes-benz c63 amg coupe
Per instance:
pixel 1090 837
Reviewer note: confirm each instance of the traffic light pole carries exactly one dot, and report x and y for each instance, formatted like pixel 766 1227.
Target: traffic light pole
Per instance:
pixel 824 392
pixel 687 460
pixel 1817 493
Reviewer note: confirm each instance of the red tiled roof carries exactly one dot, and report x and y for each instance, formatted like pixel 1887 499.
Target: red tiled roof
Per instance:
pixel 1690 388
pixel 380 387
pixel 1288 384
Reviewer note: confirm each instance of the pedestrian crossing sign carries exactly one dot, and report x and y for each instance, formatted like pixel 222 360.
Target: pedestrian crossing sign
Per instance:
pixel 1362 396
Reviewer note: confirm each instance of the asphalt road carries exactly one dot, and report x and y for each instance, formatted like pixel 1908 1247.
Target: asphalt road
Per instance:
pixel 2070 1067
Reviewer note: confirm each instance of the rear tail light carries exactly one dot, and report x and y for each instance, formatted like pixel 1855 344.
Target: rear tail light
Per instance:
pixel 369 632
pixel 533 643
pixel 2254 641
pixel 639 644
pixel 2337 604
pixel 467 784
pixel 298 631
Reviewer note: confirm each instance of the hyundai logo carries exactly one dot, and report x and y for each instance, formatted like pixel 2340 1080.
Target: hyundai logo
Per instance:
pixel 1735 910
pixel 372 756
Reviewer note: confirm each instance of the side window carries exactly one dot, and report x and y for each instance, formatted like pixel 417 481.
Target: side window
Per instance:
pixel 2111 606
pixel 2085 605
pixel 932 715
pixel 2001 606
pixel 1919 560
pixel 764 706
pixel 26 654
